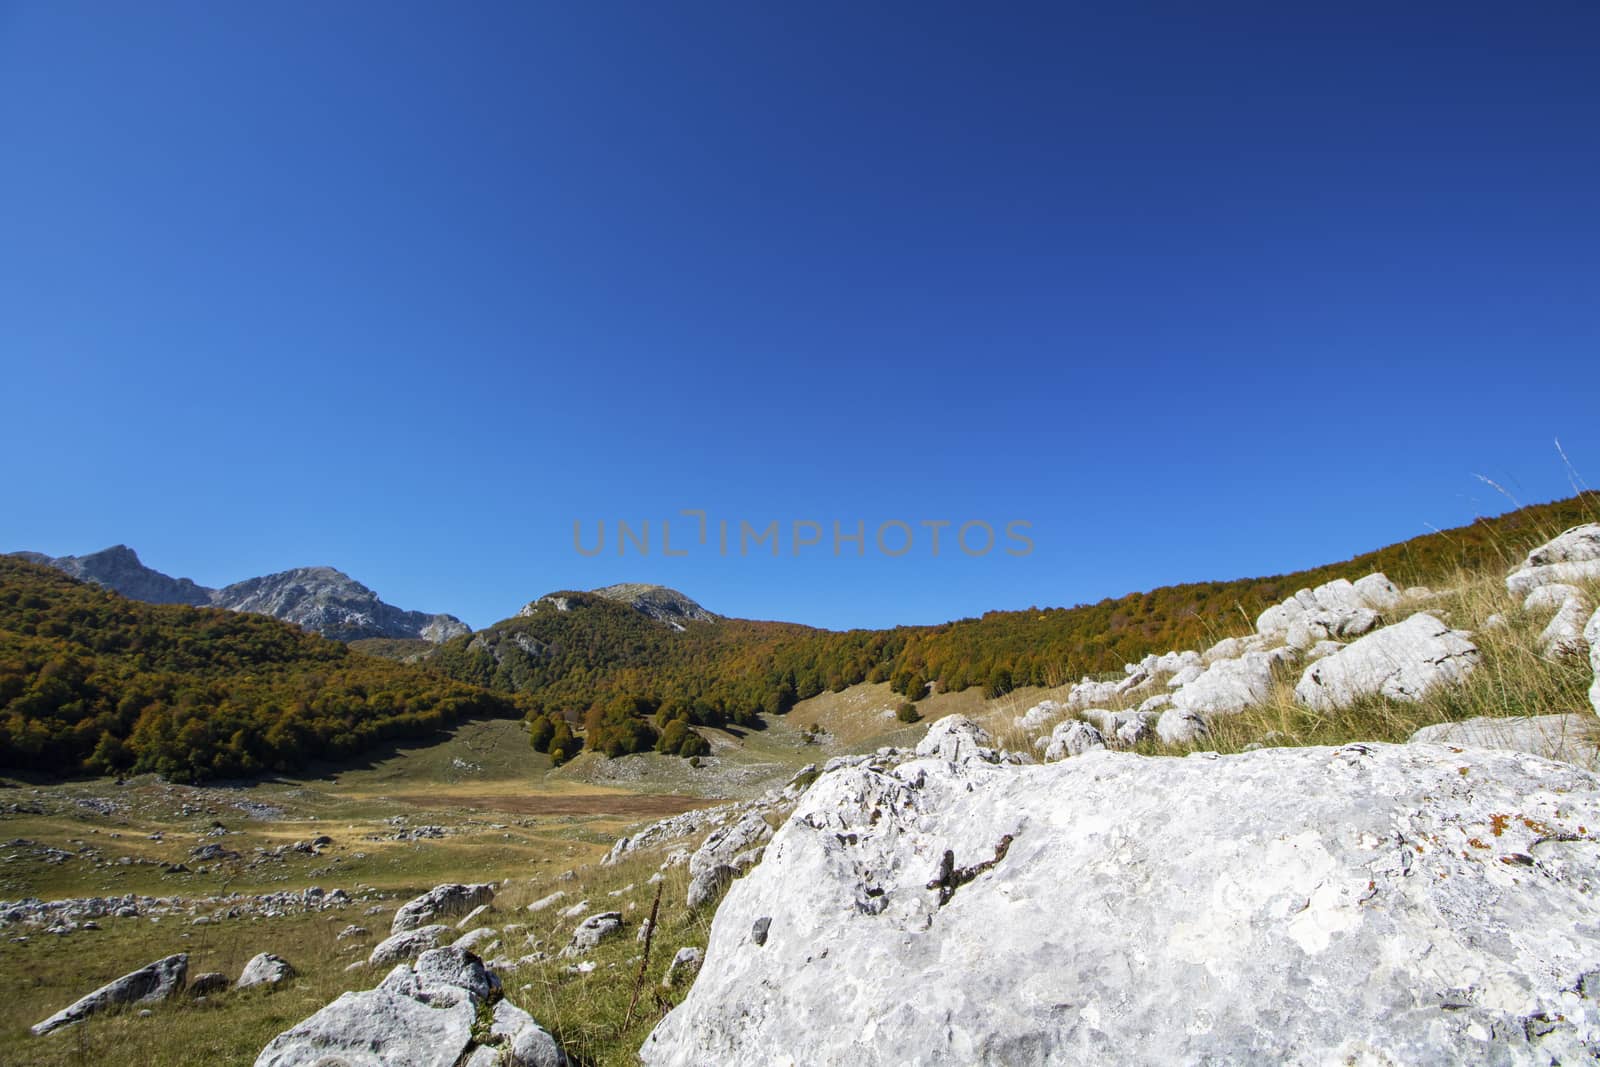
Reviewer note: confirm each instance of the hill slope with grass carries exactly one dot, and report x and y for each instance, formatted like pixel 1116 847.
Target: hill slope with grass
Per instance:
pixel 92 681
pixel 583 657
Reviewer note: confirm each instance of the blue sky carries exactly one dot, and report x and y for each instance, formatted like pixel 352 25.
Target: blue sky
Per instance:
pixel 1199 291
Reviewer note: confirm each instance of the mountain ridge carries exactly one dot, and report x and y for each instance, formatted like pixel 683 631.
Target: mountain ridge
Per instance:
pixel 318 599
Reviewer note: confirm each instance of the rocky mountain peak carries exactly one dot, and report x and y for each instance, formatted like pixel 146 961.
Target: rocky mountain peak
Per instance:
pixel 118 568
pixel 320 599
pixel 658 602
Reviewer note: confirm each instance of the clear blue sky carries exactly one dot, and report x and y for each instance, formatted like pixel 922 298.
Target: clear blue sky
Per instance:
pixel 1200 291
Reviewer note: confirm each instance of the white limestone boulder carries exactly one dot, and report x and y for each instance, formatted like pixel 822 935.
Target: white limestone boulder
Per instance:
pixel 723 844
pixel 1378 592
pixel 420 1015
pixel 1569 738
pixel 440 902
pixel 1228 686
pixel 1072 738
pixel 1563 635
pixel 150 984
pixel 1339 596
pixel 1275 621
pixel 592 931
pixel 1574 556
pixel 1128 728
pixel 1370 904
pixel 409 944
pixel 265 969
pixel 957 738
pixel 1550 597
pixel 1089 693
pixel 1179 726
pixel 1040 716
pixel 1401 662
pixel 481 941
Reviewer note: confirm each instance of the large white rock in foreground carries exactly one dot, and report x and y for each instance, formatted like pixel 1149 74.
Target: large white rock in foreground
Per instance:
pixel 1401 662
pixel 1370 904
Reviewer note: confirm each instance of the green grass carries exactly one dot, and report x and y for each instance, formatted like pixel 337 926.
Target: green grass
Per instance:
pixel 586 1012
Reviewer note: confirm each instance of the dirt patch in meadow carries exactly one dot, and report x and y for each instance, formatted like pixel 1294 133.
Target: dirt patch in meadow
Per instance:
pixel 629 804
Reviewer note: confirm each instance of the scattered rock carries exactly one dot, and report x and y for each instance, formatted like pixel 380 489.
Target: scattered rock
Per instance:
pixel 1401 662
pixel 544 902
pixel 1179 726
pixel 202 985
pixel 481 940
pixel 1550 597
pixel 527 1043
pixel 724 844
pixel 1039 716
pixel 420 1016
pixel 440 902
pixel 1564 634
pixel 685 963
pixel 1072 738
pixel 592 931
pixel 149 984
pixel 1228 686
pixel 1378 592
pixel 1572 557
pixel 265 969
pixel 408 945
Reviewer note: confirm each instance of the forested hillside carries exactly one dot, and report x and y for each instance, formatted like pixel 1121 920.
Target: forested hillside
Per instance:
pixel 92 681
pixel 628 677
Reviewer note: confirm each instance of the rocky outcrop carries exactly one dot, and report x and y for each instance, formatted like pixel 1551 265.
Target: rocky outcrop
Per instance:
pixel 725 845
pixel 331 603
pixel 658 602
pixel 1339 608
pixel 1227 686
pixel 441 902
pixel 319 599
pixel 150 984
pixel 1401 662
pixel 118 568
pixel 725 854
pixel 957 738
pixel 1372 903
pixel 1572 557
pixel 419 1016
